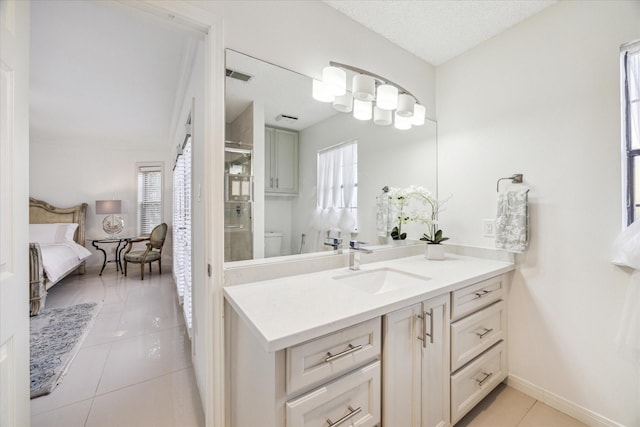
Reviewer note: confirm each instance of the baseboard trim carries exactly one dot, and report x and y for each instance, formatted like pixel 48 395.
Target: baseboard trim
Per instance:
pixel 560 403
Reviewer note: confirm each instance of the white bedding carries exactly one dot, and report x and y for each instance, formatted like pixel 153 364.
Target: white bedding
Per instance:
pixel 60 258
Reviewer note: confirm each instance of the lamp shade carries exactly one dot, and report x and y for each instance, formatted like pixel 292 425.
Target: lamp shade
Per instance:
pixel 382 117
pixel 387 97
pixel 344 103
pixel 418 115
pixel 108 207
pixel 402 123
pixel 362 109
pixel 364 87
pixel 405 105
pixel 335 80
pixel 321 93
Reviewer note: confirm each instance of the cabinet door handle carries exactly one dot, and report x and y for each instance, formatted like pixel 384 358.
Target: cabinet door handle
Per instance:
pixel 424 336
pixel 271 180
pixel 277 183
pixel 331 357
pixel 351 413
pixel 483 333
pixel 484 378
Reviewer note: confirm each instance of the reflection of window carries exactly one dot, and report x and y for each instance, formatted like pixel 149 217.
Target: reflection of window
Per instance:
pixel 149 196
pixel 631 126
pixel 338 184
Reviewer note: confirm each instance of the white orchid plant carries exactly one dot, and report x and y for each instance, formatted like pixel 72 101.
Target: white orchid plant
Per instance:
pixel 409 204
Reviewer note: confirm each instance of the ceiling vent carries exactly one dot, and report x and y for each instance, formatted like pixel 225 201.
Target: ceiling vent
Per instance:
pixel 238 75
pixel 286 118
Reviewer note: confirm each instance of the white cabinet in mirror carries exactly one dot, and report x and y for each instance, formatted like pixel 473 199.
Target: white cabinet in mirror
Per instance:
pixel 278 98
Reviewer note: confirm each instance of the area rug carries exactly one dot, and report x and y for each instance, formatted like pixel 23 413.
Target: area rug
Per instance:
pixel 56 336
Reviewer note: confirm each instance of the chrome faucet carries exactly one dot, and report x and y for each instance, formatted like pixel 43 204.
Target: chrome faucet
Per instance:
pixel 335 242
pixel 354 254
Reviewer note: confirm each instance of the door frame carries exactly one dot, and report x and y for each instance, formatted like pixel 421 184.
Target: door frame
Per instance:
pixel 212 323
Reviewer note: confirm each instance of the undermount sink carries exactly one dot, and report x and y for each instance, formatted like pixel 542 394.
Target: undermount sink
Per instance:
pixel 381 280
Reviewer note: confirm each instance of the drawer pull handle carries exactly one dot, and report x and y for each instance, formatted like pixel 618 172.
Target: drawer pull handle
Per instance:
pixel 485 378
pixel 482 293
pixel 351 413
pixel 331 357
pixel 485 332
pixel 424 336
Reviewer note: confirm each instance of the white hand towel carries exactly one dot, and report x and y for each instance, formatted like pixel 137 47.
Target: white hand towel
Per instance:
pixel 512 220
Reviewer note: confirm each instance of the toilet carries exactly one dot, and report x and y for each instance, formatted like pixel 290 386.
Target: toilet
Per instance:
pixel 272 244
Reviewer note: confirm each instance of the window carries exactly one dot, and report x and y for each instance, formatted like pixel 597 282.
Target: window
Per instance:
pixel 149 196
pixel 338 187
pixel 182 228
pixel 630 59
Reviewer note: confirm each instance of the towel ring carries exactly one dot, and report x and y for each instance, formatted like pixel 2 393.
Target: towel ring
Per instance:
pixel 516 178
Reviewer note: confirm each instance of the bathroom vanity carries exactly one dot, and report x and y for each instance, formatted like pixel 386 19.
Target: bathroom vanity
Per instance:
pixel 404 342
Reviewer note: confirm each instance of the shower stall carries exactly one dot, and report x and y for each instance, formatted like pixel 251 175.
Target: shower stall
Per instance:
pixel 238 207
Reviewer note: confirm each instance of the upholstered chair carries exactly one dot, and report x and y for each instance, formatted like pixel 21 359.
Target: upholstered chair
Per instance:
pixel 151 254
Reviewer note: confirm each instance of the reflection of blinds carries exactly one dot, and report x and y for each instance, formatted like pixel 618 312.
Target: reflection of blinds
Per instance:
pixel 149 198
pixel 182 229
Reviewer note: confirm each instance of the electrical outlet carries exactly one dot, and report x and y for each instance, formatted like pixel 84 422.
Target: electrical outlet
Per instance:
pixel 488 228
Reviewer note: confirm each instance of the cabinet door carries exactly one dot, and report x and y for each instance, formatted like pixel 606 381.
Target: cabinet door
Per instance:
pixel 435 362
pixel 286 161
pixel 401 367
pixel 269 153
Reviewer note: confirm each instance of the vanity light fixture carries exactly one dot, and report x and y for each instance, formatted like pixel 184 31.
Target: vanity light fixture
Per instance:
pixel 371 96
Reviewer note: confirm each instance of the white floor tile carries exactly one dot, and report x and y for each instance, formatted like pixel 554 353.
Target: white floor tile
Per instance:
pixel 170 400
pixel 141 358
pixel 138 337
pixel 73 415
pixel 79 383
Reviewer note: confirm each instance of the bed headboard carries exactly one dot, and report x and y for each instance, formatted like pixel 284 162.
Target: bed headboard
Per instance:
pixel 43 213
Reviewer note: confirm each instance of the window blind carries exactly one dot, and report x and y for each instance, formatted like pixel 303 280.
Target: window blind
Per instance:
pixel 149 198
pixel 182 230
pixel 631 127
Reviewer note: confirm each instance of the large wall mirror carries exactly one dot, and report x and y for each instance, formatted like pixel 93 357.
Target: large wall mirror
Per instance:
pixel 275 131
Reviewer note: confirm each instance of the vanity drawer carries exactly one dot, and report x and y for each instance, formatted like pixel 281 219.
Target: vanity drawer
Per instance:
pixel 319 360
pixel 476 333
pixel 476 380
pixel 353 399
pixel 474 297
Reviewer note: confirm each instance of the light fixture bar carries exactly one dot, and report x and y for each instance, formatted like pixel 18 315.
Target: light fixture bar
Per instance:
pixel 381 79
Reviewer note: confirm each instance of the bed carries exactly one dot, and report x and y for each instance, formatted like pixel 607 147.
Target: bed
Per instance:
pixel 56 247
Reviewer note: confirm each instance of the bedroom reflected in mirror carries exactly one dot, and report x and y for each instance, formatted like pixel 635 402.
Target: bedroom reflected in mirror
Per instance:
pixel 112 223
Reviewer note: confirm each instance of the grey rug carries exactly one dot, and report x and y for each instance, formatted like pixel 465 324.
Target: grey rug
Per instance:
pixel 56 336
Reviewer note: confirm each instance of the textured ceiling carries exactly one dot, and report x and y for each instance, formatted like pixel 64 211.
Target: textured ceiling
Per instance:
pixel 438 30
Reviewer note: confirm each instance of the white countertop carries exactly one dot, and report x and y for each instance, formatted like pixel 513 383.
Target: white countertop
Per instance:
pixel 290 310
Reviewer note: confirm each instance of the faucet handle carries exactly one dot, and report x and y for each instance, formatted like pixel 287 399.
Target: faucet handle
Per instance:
pixel 355 244
pixel 334 241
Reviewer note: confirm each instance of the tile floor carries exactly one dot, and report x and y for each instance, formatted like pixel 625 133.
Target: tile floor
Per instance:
pixel 134 367
pixel 507 407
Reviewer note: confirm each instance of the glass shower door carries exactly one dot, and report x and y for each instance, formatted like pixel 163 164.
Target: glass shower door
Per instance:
pixel 238 210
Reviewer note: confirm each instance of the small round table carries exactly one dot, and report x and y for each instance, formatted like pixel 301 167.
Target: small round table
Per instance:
pixel 121 242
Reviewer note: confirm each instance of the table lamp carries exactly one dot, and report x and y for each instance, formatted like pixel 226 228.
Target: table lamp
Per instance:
pixel 112 223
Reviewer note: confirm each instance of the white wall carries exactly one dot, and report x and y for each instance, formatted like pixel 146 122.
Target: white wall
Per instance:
pixel 542 99
pixel 69 174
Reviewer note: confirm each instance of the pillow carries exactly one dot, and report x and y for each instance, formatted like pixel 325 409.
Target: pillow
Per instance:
pixel 52 233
